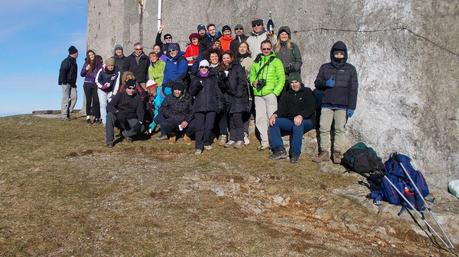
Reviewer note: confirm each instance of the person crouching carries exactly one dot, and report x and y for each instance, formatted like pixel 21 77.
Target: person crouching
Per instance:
pixel 177 113
pixel 295 116
pixel 125 111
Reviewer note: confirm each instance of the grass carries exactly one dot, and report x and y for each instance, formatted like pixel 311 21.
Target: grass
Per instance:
pixel 63 193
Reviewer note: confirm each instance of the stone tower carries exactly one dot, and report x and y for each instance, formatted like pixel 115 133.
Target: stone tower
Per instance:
pixel 406 53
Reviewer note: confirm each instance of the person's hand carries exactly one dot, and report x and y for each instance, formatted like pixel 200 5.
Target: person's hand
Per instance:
pixel 184 124
pixel 298 120
pixel 161 27
pixel 349 113
pixel 270 33
pixel 88 67
pixel 255 83
pixel 330 82
pixel 272 120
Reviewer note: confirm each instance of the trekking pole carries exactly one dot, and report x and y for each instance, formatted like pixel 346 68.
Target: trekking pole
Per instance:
pixel 451 246
pixel 417 212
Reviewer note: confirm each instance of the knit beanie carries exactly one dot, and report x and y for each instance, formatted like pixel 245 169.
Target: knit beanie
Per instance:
pixel 73 50
pixel 201 27
pixel 118 47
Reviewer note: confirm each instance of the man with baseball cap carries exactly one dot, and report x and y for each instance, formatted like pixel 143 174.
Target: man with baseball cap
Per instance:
pixel 67 80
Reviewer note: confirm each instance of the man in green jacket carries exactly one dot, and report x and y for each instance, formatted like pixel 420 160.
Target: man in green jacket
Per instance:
pixel 267 78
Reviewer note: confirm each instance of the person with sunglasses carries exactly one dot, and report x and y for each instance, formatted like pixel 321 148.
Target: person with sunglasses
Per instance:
pixel 259 34
pixel 206 92
pixel 167 40
pixel 125 111
pixel 267 78
pixel 137 63
pixel 176 65
pixel 239 37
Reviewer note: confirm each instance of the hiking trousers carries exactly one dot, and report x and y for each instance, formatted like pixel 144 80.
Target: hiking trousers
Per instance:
pixel 327 117
pixel 69 98
pixel 128 127
pixel 265 106
pixel 204 122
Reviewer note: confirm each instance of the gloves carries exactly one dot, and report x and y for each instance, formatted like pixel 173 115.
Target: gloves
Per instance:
pixel 349 113
pixel 289 68
pixel 330 82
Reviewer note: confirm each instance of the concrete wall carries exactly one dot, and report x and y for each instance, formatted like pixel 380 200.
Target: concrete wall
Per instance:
pixel 408 97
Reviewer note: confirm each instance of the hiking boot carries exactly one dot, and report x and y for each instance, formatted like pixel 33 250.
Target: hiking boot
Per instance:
pixel 110 145
pixel 277 155
pixel 229 144
pixel 98 121
pixel 246 139
pixel 161 137
pixel 337 156
pixel 294 159
pixel 262 147
pixel 88 120
pixel 239 144
pixel 222 140
pixel 324 156
pixel 198 152
pixel 172 140
pixel 208 147
pixel 187 140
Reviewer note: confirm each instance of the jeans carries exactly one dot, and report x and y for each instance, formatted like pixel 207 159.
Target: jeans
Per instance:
pixel 287 126
pixel 92 100
pixel 69 98
pixel 204 124
pixel 128 126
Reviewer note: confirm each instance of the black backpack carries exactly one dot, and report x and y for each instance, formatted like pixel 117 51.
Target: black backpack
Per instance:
pixel 362 159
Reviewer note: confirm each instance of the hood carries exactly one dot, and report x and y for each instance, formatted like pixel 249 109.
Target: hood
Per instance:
pixel 340 45
pixel 176 58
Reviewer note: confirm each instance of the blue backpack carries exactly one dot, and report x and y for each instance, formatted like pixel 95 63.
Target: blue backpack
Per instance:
pixel 395 173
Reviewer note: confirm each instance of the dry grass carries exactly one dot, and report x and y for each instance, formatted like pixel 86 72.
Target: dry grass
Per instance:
pixel 63 193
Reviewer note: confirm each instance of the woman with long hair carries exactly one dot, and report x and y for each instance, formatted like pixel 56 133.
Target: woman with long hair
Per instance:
pixel 89 71
pixel 244 57
pixel 288 52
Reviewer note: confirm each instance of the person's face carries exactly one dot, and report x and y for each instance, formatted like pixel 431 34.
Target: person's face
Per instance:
pixel 153 58
pixel 119 52
pixel 168 39
pixel 203 69
pixel 156 49
pixel 296 85
pixel 130 90
pixel 257 28
pixel 177 93
pixel 339 55
pixel 211 30
pixel 75 55
pixel 173 53
pixel 194 41
pixel 239 31
pixel 226 58
pixel 202 32
pixel 243 49
pixel 214 58
pixel 216 45
pixel 227 32
pixel 283 36
pixel 92 56
pixel 110 67
pixel 266 49
pixel 138 49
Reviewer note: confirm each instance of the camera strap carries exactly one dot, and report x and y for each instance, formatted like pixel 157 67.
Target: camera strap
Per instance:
pixel 264 66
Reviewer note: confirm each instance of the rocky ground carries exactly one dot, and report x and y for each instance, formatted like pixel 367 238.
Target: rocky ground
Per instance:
pixel 62 193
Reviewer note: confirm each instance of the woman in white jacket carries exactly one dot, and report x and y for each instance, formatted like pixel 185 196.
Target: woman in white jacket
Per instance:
pixel 108 81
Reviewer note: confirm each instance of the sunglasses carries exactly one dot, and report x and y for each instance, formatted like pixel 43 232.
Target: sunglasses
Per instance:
pixel 168 38
pixel 172 50
pixel 204 67
pixel 138 49
pixel 239 29
pixel 256 25
pixel 131 88
pixel 266 49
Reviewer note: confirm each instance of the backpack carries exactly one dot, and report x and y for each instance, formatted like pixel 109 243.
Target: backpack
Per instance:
pixel 362 159
pixel 395 173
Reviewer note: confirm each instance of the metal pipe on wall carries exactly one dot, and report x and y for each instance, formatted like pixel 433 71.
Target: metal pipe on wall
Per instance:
pixel 159 12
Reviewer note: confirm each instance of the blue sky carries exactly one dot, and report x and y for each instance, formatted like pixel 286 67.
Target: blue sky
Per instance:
pixel 34 39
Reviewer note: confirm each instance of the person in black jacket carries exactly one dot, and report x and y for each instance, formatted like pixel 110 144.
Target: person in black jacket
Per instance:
pixel 177 113
pixel 167 40
pixel 137 63
pixel 119 58
pixel 68 73
pixel 237 95
pixel 125 111
pixel 337 80
pixel 207 102
pixel 239 37
pixel 294 116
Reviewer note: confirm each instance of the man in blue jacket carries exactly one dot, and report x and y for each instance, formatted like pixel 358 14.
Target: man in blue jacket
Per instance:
pixel 337 80
pixel 67 80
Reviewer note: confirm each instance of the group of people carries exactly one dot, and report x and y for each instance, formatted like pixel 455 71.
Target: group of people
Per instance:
pixel 211 90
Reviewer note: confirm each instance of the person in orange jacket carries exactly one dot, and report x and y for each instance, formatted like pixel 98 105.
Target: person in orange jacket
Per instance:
pixel 226 39
pixel 192 50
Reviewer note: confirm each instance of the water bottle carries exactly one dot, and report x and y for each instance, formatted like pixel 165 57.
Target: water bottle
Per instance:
pixel 270 24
